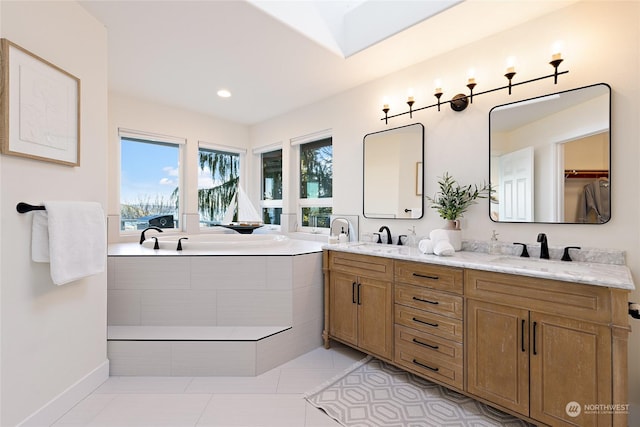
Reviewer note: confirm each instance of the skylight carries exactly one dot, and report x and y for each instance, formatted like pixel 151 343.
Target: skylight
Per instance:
pixel 347 27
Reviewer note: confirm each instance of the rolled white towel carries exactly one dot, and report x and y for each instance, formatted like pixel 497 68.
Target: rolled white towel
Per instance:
pixel 438 235
pixel 443 248
pixel 426 246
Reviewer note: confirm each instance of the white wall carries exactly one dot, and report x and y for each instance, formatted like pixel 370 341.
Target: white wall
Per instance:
pixel 131 113
pixel 602 45
pixel 52 337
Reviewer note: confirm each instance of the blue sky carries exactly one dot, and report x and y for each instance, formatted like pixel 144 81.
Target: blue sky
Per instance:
pixel 148 170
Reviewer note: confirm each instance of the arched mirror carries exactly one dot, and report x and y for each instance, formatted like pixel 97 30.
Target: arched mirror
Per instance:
pixel 550 158
pixel 393 173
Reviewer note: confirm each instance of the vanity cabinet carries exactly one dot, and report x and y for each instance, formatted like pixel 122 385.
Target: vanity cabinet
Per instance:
pixel 361 302
pixel 428 321
pixel 534 346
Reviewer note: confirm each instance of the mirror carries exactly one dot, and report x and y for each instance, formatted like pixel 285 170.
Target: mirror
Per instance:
pixel 549 158
pixel 393 173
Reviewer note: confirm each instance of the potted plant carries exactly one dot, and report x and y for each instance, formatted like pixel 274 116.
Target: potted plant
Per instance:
pixel 452 200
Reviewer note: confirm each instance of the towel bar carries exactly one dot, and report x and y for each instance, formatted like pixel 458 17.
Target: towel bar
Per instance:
pixel 25 207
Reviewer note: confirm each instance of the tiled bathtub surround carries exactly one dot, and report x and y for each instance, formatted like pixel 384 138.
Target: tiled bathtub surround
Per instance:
pixel 212 315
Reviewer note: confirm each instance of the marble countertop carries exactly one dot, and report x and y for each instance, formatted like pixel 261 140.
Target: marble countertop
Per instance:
pixel 590 273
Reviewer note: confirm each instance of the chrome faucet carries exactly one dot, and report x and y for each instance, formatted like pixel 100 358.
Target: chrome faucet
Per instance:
pixel 385 228
pixel 142 237
pixel 544 247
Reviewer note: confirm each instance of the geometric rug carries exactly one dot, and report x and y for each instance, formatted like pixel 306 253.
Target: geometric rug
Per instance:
pixel 372 393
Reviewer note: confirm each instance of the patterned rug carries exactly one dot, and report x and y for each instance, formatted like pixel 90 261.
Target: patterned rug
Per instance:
pixel 372 393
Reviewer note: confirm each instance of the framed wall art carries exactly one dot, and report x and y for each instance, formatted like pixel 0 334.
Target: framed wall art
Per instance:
pixel 39 108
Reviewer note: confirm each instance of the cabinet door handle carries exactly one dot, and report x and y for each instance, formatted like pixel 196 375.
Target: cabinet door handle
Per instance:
pixel 435 347
pixel 522 335
pixel 426 300
pixel 435 325
pixel 535 327
pixel 425 366
pixel 353 292
pixel 359 302
pixel 425 276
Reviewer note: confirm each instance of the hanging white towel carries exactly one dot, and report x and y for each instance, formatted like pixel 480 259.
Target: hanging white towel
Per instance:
pixel 72 237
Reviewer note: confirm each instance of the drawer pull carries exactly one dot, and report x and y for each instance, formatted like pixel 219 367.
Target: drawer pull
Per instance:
pixel 359 302
pixel 425 366
pixel 435 325
pixel 435 347
pixel 426 300
pixel 425 276
pixel 522 335
pixel 535 327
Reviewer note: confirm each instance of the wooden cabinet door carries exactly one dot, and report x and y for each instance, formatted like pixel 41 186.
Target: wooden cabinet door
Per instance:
pixel 570 362
pixel 497 347
pixel 375 317
pixel 343 308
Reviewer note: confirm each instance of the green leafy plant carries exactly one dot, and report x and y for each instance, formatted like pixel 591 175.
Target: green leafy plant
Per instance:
pixel 453 200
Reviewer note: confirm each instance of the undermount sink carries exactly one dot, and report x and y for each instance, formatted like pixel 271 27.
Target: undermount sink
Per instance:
pixel 380 248
pixel 538 264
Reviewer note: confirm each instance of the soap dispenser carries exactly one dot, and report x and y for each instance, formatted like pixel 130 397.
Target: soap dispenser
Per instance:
pixel 494 245
pixel 412 239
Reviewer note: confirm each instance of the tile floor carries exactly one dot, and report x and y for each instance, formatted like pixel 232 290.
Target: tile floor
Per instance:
pixel 271 399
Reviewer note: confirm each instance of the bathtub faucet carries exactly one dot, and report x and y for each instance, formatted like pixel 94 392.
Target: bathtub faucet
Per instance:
pixel 142 237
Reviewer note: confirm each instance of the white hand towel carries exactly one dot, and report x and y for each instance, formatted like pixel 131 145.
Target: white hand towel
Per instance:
pixel 77 240
pixel 425 246
pixel 438 235
pixel 443 248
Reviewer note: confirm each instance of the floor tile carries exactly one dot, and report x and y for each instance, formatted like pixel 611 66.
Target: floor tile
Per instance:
pixel 266 410
pixel 315 417
pixel 148 385
pixel 85 411
pixel 261 384
pixel 152 410
pixel 303 380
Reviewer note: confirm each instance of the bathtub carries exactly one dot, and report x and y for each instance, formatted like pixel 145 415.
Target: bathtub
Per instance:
pixel 204 242
pixel 227 304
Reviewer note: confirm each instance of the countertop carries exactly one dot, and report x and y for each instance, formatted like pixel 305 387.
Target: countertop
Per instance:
pixel 589 273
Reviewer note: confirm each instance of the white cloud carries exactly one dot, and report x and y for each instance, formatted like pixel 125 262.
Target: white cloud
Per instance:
pixel 170 170
pixel 167 181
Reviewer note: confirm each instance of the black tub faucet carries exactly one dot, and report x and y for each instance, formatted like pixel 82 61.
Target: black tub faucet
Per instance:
pixel 385 228
pixel 142 237
pixel 544 247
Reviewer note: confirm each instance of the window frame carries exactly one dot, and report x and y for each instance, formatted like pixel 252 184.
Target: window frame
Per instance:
pixel 270 203
pixel 307 202
pixel 160 139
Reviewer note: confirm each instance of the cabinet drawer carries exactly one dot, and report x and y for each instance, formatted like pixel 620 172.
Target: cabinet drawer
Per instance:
pixel 361 265
pixel 428 322
pixel 429 275
pixel 429 300
pixel 426 344
pixel 592 303
pixel 428 366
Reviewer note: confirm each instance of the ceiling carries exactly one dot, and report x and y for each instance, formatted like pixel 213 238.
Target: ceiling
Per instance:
pixel 180 53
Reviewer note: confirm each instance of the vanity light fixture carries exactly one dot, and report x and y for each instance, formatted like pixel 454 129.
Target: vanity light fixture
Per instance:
pixel 471 83
pixel 385 108
pixel 438 92
pixel 410 101
pixel 460 101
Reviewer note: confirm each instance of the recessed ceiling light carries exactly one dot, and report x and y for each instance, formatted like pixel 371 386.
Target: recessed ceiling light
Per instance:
pixel 223 93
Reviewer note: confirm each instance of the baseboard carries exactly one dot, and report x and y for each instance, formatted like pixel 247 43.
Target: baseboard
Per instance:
pixel 66 400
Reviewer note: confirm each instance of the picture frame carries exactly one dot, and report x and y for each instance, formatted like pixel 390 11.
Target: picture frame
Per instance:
pixel 39 108
pixel 419 179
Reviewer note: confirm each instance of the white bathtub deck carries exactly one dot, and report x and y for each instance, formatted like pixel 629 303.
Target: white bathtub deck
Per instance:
pixel 192 333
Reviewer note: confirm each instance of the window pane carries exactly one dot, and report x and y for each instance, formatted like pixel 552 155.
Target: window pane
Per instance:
pixel 271 215
pixel 316 217
pixel 218 175
pixel 272 175
pixel 149 184
pixel 316 170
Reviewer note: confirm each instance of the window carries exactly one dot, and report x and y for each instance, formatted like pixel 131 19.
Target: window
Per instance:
pixel 316 184
pixel 218 179
pixel 149 184
pixel 271 200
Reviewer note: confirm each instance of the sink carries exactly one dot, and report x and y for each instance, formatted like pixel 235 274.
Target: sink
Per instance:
pixel 541 264
pixel 380 248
